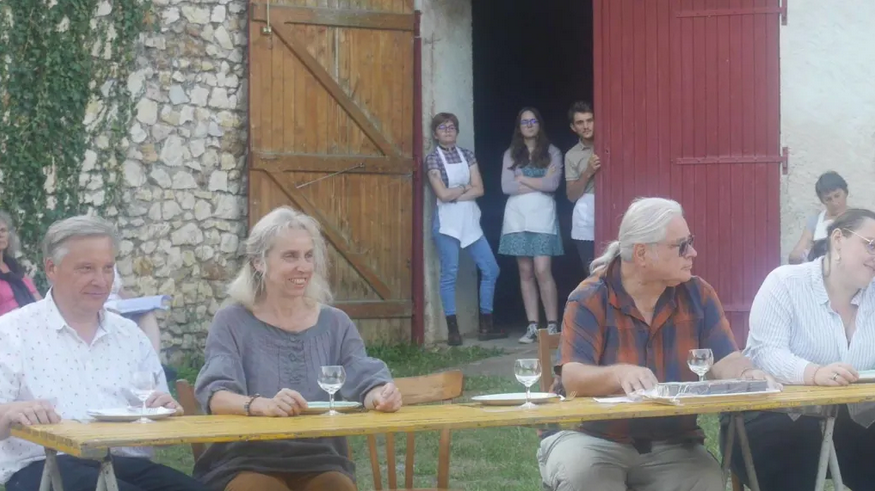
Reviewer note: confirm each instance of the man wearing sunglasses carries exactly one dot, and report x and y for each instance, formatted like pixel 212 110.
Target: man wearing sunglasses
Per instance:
pixel 628 327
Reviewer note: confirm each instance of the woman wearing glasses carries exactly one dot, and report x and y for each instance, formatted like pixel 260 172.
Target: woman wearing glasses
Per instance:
pixel 530 174
pixel 814 324
pixel 455 179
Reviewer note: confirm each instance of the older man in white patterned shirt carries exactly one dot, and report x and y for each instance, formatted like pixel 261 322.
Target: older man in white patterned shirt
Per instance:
pixel 68 350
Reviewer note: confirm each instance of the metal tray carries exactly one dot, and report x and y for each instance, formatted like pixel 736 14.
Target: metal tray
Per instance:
pixel 674 392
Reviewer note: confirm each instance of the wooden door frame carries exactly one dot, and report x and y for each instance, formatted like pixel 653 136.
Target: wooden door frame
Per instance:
pixel 418 192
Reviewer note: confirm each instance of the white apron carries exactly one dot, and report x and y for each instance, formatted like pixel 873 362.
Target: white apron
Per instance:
pixel 583 218
pixel 530 212
pixel 822 225
pixel 460 220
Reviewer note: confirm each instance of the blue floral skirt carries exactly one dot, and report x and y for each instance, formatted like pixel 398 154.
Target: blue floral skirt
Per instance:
pixel 530 244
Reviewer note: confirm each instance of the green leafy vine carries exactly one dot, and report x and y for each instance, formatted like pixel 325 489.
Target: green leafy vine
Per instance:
pixel 64 68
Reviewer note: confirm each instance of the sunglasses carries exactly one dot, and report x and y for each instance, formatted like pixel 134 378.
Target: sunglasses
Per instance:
pixel 685 245
pixel 870 243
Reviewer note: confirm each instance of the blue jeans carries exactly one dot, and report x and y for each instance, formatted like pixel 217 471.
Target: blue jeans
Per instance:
pixel 481 253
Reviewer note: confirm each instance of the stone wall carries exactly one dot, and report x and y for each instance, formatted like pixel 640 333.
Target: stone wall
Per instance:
pixel 183 216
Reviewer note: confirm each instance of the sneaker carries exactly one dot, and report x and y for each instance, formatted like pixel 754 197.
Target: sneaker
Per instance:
pixel 531 334
pixel 552 328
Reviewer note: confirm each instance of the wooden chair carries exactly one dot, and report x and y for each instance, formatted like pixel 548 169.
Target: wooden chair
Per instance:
pixel 546 344
pixel 439 387
pixel 185 393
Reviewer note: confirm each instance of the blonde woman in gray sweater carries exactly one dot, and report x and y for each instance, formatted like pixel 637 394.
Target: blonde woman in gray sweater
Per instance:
pixel 263 355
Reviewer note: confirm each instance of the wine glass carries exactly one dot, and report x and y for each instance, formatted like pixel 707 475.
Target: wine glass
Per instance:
pixel 331 379
pixel 700 362
pixel 527 371
pixel 144 384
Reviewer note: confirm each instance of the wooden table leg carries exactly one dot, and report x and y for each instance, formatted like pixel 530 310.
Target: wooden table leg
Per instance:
pixel 752 483
pixel 51 478
pixel 107 481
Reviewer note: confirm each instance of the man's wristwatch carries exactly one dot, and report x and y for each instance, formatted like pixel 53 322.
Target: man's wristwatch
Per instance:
pixel 248 404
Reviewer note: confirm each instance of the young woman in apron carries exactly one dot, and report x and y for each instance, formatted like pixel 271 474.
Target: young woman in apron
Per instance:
pixel 455 179
pixel 832 191
pixel 531 171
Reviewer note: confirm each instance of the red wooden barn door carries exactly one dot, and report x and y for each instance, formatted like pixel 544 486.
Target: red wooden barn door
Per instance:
pixel 688 105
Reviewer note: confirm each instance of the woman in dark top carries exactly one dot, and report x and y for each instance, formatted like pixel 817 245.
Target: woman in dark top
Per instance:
pixel 263 356
pixel 16 289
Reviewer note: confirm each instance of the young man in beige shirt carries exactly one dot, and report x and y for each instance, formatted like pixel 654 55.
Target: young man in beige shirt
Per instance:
pixel 581 165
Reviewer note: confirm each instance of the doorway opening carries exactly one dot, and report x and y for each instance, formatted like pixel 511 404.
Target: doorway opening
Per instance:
pixel 526 54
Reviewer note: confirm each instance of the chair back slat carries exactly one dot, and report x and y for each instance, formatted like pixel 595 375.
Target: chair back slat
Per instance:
pixel 437 387
pixel 547 344
pixel 185 393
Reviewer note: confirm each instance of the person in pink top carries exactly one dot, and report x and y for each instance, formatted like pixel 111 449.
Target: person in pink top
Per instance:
pixel 16 288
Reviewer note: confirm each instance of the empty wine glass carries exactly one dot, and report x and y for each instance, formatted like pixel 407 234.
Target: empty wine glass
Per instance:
pixel 144 384
pixel 331 379
pixel 700 362
pixel 527 371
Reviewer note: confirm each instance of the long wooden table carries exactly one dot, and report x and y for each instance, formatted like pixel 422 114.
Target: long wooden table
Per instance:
pixel 93 440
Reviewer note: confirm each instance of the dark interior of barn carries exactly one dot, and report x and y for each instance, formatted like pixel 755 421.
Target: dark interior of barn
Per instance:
pixel 528 54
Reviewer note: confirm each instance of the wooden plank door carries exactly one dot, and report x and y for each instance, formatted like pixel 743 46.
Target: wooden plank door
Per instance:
pixel 331 134
pixel 690 107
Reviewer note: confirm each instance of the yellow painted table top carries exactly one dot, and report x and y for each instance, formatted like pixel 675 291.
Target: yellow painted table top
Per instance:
pixel 84 440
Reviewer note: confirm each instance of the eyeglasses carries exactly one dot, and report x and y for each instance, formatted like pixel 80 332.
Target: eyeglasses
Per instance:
pixel 528 122
pixel 870 243
pixel 685 245
pixel 447 127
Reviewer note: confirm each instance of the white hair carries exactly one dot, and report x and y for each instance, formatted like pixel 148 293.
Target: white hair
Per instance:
pixel 249 286
pixel 645 222
pixel 78 227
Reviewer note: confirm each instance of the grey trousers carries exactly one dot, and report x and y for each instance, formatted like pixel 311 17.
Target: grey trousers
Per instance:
pixel 575 461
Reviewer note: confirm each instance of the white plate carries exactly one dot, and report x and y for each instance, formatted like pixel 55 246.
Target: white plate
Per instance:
pixel 515 398
pixel 130 413
pixel 319 407
pixel 866 376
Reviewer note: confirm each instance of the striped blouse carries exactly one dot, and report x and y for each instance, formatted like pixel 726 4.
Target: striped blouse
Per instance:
pixel 792 325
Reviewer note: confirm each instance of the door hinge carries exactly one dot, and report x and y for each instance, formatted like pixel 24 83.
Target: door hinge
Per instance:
pixel 785 160
pixel 784 12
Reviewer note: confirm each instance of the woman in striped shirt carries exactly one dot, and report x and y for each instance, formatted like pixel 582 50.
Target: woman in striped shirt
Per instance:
pixel 814 324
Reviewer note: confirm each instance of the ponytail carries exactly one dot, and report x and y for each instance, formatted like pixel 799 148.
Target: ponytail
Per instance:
pixel 602 262
pixel 818 249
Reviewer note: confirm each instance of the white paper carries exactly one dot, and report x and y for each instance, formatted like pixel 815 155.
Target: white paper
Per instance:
pixel 139 305
pixel 615 400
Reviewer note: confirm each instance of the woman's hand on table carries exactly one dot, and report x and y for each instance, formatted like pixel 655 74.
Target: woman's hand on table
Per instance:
pixel 835 375
pixel 162 399
pixel 286 402
pixel 384 398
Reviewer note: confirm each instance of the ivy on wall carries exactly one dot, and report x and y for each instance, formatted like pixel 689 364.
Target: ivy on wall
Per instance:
pixel 64 67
